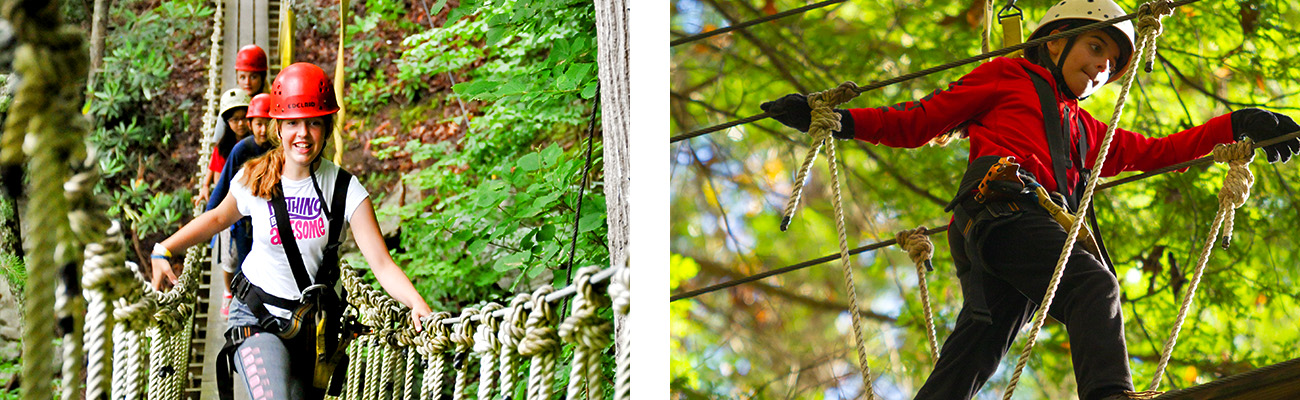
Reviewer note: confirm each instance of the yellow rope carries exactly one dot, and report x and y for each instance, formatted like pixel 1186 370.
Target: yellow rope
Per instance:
pixel 919 249
pixel 1147 33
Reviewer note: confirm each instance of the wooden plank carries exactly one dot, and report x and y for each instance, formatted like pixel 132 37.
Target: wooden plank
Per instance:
pixel 246 23
pixel 229 45
pixel 261 25
pixel 1274 382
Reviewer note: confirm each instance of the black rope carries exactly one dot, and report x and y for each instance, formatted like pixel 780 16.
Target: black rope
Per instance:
pixel 954 64
pixel 1200 161
pixel 591 136
pixel 753 22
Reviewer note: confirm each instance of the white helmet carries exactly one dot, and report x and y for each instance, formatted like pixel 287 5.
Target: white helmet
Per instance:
pixel 1094 11
pixel 233 98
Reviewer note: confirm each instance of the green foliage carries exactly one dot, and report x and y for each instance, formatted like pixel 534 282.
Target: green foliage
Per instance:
pixel 786 336
pixel 517 220
pixel 148 211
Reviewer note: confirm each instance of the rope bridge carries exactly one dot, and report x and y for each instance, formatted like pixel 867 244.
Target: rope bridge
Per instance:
pixel 134 341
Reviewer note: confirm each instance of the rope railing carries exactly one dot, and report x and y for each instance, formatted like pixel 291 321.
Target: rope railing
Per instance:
pixel 932 70
pixel 756 21
pixel 944 228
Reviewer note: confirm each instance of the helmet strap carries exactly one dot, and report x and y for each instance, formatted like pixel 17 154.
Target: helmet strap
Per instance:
pixel 1061 85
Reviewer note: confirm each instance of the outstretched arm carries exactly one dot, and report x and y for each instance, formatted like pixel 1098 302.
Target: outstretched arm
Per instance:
pixel 366 231
pixel 197 231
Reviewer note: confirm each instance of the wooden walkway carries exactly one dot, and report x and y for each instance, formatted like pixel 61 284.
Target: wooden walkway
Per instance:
pixel 1274 382
pixel 246 22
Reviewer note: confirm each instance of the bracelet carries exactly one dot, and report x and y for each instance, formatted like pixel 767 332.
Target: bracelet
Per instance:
pixel 160 250
pixel 160 257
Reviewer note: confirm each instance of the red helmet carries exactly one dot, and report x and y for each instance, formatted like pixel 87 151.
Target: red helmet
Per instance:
pixel 260 106
pixel 302 90
pixel 250 58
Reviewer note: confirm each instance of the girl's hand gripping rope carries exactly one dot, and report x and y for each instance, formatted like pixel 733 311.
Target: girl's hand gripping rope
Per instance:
pixel 792 110
pixel 1260 125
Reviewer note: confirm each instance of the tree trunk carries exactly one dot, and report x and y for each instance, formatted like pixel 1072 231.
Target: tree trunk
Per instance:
pixel 97 21
pixel 612 58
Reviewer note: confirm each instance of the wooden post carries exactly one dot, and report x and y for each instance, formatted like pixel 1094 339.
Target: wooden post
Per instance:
pixel 612 59
pixel 96 42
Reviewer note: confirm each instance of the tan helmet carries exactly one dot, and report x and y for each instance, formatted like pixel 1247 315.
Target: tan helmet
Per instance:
pixel 1067 11
pixel 234 98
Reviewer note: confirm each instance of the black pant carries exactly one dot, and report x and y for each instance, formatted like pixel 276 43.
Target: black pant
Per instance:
pixel 1021 257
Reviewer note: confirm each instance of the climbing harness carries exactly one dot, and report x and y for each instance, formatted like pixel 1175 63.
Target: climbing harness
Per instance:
pixel 1148 28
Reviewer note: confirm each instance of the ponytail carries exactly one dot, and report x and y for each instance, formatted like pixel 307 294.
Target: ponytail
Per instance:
pixel 261 174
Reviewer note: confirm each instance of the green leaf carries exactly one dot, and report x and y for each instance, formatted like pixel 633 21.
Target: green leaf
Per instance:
pixel 546 233
pixel 511 262
pixel 551 154
pixel 590 221
pixel 589 91
pixel 529 162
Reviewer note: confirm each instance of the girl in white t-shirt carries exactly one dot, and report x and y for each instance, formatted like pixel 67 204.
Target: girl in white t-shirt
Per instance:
pixel 302 107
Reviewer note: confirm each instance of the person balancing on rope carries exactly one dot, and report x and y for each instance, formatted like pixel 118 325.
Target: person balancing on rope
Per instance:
pixel 1006 246
pixel 298 202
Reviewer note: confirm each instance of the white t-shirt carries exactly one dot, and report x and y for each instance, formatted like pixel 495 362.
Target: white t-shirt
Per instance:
pixel 267 266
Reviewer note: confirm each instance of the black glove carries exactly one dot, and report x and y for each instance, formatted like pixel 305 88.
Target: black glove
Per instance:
pixel 1260 125
pixel 792 110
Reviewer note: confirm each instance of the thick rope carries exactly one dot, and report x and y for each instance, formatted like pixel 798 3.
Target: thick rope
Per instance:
pixel 512 330
pixel 1235 191
pixel 919 249
pixel 357 350
pixel 542 344
pixel 824 121
pixel 45 115
pixel 590 335
pixel 374 363
pixel 106 277
pixel 386 375
pixel 214 75
pixel 620 291
pixel 488 347
pixel 1148 28
pixel 462 335
pixel 412 362
pixel 436 341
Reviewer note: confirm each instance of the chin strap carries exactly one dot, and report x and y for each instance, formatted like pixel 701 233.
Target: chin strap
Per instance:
pixel 1061 86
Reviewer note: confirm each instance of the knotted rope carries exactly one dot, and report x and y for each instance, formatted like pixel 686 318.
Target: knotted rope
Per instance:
pixel 918 247
pixel 488 347
pixel 390 363
pixel 512 330
pixel 1235 191
pixel 824 121
pixel 412 361
pixel 1148 29
pixel 45 125
pixel 463 336
pixel 211 95
pixel 356 352
pixel 590 335
pixel 542 344
pixel 436 341
pixel 620 291
pixel 375 361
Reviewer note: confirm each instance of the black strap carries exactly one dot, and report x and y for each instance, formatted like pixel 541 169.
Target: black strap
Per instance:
pixel 1057 141
pixel 286 239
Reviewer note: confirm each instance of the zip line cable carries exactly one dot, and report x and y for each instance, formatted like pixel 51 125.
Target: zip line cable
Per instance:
pixel 929 232
pixel 746 24
pixel 931 70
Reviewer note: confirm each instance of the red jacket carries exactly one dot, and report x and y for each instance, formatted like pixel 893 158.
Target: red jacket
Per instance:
pixel 1003 110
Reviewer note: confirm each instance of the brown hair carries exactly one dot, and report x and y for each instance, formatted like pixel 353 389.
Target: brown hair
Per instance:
pixel 261 174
